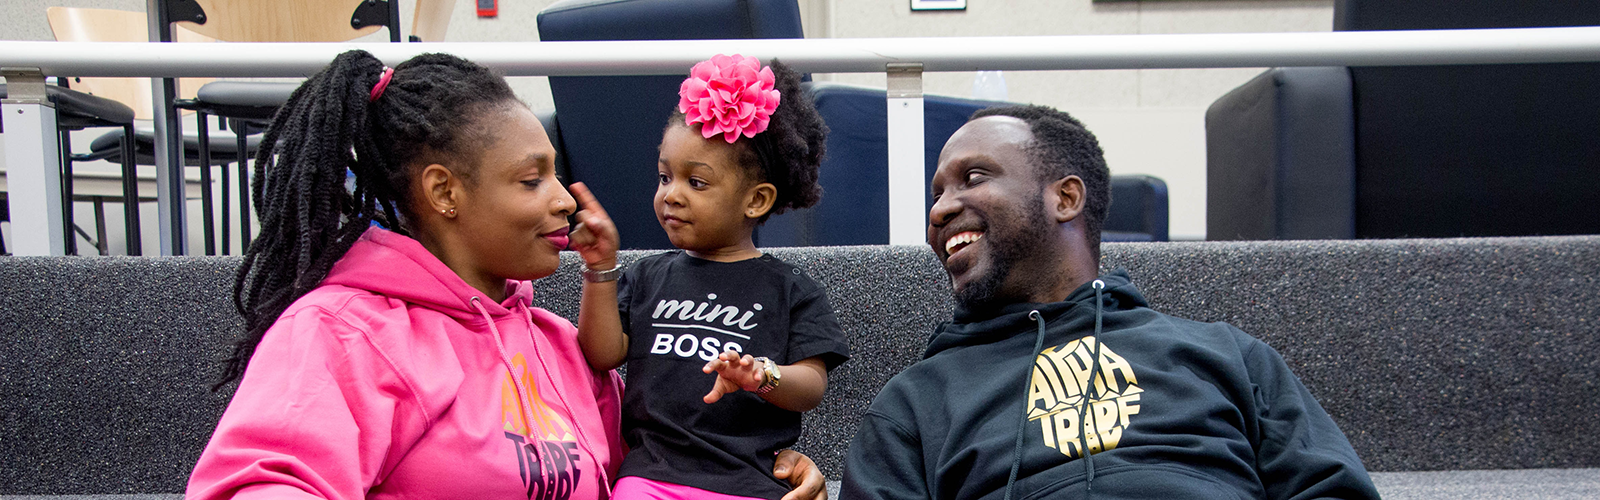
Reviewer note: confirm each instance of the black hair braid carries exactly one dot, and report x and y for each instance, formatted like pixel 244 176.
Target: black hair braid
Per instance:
pixel 328 130
pixel 789 152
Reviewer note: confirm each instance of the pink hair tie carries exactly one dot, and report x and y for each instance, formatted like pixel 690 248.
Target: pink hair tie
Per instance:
pixel 383 83
pixel 730 95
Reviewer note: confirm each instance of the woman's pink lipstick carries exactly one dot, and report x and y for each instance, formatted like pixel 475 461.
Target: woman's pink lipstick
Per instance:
pixel 559 237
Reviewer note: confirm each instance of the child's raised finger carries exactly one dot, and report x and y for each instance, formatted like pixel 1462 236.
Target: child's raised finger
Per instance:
pixel 586 200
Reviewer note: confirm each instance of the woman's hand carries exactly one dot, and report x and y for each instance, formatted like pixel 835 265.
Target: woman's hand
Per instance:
pixel 802 475
pixel 595 237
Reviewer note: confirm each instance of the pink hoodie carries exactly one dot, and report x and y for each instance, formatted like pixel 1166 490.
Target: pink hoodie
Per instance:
pixel 397 379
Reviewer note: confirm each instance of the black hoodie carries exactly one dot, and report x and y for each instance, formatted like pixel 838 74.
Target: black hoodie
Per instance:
pixel 1182 409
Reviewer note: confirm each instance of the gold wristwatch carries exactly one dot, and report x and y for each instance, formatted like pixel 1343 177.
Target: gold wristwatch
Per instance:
pixel 770 376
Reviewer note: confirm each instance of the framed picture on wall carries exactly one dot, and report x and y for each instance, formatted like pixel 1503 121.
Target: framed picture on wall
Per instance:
pixel 938 4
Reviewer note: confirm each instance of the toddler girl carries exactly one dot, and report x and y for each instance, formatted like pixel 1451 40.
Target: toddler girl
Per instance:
pixel 745 143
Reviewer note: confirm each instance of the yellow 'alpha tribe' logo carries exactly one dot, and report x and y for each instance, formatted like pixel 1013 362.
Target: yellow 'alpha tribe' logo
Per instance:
pixel 1056 396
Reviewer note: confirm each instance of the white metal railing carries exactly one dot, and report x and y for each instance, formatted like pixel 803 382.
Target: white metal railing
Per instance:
pixel 841 55
pixel 903 58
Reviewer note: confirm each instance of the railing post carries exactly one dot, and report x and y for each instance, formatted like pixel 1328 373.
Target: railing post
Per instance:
pixel 906 159
pixel 170 203
pixel 33 164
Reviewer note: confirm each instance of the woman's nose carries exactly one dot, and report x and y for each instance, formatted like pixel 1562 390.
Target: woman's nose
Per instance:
pixel 564 204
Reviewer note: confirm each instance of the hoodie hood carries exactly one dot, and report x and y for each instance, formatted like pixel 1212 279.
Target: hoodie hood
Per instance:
pixel 394 265
pixel 973 328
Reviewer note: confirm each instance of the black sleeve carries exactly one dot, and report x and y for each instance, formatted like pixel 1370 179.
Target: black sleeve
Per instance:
pixel 884 462
pixel 1302 453
pixel 814 330
pixel 622 298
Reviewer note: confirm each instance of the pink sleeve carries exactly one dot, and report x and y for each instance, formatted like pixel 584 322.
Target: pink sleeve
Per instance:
pixel 314 417
pixel 608 396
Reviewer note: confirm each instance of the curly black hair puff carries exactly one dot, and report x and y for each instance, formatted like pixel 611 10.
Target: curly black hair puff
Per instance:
pixel 1062 146
pixel 789 152
pixel 432 111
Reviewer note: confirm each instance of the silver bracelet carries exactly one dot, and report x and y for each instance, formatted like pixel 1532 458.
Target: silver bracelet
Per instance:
pixel 594 276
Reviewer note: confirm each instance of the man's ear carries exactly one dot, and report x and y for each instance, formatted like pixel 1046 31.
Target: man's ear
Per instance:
pixel 440 189
pixel 1065 198
pixel 758 200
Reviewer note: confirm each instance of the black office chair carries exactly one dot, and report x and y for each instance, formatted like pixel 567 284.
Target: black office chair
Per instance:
pixel 5 216
pixel 1139 209
pixel 77 111
pixel 1411 151
pixel 245 108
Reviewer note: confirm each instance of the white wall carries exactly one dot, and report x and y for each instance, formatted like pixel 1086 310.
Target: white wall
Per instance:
pixel 1148 121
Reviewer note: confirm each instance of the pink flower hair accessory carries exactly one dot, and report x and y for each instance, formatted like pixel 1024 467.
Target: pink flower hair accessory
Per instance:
pixel 728 95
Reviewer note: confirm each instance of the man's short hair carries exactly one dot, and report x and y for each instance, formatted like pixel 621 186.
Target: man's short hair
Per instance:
pixel 1061 147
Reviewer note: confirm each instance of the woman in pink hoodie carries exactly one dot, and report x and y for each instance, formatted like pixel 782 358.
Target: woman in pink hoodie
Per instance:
pixel 409 362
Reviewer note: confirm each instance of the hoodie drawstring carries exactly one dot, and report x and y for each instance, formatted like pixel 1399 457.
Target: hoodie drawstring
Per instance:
pixel 1088 396
pixel 1083 427
pixel 522 391
pixel 605 479
pixel 505 359
pixel 1027 382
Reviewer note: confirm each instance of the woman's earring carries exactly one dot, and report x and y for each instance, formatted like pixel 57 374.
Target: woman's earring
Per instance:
pixel 448 213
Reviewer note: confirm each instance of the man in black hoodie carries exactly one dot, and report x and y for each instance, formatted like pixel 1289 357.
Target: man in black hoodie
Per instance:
pixel 996 409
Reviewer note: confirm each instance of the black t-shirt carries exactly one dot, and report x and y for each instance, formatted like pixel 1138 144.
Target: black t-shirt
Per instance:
pixel 680 312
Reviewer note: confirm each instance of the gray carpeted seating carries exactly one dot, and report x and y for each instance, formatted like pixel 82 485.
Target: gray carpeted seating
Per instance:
pixel 1476 357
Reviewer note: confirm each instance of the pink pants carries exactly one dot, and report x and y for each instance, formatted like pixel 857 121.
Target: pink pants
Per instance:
pixel 638 488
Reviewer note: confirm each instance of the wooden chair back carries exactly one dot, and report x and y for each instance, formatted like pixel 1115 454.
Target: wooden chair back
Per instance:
pixel 72 24
pixel 430 19
pixel 279 20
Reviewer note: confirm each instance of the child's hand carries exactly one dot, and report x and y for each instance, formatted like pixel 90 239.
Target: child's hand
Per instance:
pixel 595 237
pixel 734 373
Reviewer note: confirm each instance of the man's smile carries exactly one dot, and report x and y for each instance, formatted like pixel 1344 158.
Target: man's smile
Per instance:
pixel 960 241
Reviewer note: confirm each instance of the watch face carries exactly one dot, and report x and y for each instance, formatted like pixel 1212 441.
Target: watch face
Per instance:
pixel 769 375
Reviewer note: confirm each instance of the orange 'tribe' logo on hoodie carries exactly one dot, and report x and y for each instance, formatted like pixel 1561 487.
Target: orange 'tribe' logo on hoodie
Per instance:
pixel 516 415
pixel 548 457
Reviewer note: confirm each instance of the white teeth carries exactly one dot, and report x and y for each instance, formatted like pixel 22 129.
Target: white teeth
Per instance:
pixel 964 238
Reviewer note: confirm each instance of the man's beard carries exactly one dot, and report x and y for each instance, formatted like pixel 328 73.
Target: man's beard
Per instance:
pixel 1012 243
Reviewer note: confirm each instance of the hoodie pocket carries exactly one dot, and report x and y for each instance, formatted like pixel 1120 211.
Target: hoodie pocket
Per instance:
pixel 1141 481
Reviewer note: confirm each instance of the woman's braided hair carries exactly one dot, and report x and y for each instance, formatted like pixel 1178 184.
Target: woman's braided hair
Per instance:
pixel 789 152
pixel 430 112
